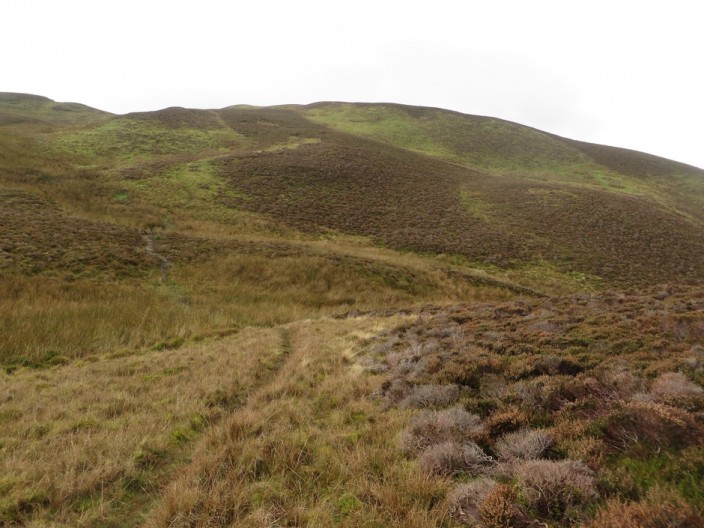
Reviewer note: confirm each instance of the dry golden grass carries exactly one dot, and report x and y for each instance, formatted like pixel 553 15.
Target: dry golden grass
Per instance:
pixel 310 449
pixel 46 319
pixel 92 443
pixel 49 318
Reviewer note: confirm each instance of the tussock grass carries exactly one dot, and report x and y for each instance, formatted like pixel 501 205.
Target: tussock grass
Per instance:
pixel 93 442
pixel 308 449
pixel 55 318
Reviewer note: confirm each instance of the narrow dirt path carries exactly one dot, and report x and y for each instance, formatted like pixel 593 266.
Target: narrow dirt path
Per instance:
pixel 304 445
pixel 164 263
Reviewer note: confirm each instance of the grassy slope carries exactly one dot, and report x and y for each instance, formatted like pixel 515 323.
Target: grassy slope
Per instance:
pixel 121 429
pixel 141 235
pixel 18 108
pixel 586 208
pixel 124 233
pixel 495 145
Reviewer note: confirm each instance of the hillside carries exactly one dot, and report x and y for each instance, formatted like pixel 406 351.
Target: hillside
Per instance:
pixel 282 316
pixel 418 179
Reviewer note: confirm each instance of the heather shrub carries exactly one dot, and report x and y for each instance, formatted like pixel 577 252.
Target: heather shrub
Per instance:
pixel 393 391
pixel 619 382
pixel 676 384
pixel 652 423
pixel 674 388
pixel 504 421
pixel 433 427
pixel 494 386
pixel 551 488
pixel 469 373
pixel 452 458
pixel 423 396
pixel 405 364
pixel 526 444
pixel 466 500
pixel 372 366
pixel 499 510
pixel 553 365
pixel 548 393
pixel 695 362
pixel 659 509
pixel 588 449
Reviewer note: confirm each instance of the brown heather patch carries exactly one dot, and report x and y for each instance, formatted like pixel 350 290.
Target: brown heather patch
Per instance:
pixel 654 424
pixel 269 127
pixel 499 508
pixel 36 236
pixel 504 421
pixel 630 240
pixel 403 200
pixel 578 417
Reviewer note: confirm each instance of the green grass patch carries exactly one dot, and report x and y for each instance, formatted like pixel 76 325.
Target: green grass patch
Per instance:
pixel 476 142
pixel 126 140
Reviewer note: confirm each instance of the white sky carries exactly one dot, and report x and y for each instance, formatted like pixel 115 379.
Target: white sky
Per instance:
pixel 618 72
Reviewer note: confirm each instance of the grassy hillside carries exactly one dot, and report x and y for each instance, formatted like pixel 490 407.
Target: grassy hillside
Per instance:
pixel 26 108
pixel 343 315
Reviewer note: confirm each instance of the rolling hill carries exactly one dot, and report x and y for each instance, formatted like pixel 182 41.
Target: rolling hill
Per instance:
pixel 323 282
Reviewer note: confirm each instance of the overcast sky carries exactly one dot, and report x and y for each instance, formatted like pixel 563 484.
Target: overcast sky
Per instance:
pixel 623 73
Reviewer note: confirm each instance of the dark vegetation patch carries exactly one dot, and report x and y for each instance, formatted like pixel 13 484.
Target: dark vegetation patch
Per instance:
pixel 408 201
pixel 36 236
pixel 628 239
pixel 578 405
pixel 270 126
pixel 404 200
pixel 177 116
pixel 633 163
